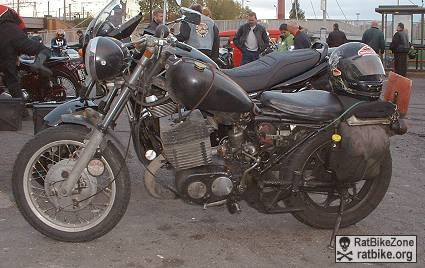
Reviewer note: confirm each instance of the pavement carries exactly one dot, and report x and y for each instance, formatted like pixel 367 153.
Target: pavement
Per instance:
pixel 159 233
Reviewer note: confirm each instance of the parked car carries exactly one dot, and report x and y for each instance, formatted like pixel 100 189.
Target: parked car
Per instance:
pixel 226 39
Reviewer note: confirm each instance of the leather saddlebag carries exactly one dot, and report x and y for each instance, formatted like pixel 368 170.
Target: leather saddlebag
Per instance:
pixel 359 154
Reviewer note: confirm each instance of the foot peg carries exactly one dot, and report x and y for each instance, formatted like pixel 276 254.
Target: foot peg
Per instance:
pixel 233 207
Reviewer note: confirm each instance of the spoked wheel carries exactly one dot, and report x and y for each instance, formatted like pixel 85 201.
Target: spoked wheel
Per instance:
pixel 70 85
pixel 319 195
pixel 97 202
pixel 67 84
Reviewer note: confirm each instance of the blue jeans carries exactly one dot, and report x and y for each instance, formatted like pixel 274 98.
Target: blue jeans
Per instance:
pixel 249 56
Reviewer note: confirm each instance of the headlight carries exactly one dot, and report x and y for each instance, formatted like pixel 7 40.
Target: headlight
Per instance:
pixel 105 58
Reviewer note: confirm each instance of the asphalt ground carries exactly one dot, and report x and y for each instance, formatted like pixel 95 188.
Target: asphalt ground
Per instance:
pixel 159 233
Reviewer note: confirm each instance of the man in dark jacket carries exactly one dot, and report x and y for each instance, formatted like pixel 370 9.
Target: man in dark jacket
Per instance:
pixel 157 19
pixel 204 37
pixel 400 47
pixel 336 37
pixel 80 35
pixel 14 42
pixel 251 39
pixel 301 39
pixel 374 37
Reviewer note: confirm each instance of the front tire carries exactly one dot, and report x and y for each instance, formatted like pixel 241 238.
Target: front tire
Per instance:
pixel 368 197
pixel 34 180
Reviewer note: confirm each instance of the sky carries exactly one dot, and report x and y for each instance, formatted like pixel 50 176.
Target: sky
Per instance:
pixel 264 8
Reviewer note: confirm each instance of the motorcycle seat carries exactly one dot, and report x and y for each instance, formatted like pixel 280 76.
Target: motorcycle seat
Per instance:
pixel 310 105
pixel 273 69
pixel 29 61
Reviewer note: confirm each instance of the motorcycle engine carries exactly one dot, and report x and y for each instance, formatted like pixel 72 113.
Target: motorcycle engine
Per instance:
pixel 200 176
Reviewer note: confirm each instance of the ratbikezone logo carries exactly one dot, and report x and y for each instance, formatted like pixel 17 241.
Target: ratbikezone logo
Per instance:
pixel 379 249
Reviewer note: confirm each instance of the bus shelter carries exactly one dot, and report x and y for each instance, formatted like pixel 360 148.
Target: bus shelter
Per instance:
pixel 412 16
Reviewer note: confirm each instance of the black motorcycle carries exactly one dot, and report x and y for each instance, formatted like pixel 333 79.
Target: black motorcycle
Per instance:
pixel 324 157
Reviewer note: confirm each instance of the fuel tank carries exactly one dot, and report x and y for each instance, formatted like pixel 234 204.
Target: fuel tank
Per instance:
pixel 189 81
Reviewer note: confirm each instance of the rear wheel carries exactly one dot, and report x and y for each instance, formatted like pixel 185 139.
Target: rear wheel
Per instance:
pixel 320 205
pixel 97 202
pixel 71 86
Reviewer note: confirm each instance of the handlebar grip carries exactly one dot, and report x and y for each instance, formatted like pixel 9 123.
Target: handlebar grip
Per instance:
pixel 183 46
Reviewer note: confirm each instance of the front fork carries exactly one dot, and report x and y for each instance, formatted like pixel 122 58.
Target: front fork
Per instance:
pixel 99 132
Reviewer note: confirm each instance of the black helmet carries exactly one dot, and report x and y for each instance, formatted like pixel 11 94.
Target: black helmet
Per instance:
pixel 356 70
pixel 105 58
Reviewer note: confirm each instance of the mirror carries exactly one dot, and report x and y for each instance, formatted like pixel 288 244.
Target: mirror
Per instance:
pixel 190 16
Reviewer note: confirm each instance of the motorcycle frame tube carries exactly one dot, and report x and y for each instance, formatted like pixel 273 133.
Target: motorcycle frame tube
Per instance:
pixel 99 133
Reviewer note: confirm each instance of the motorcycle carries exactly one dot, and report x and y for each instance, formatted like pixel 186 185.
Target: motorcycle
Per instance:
pixel 66 81
pixel 290 72
pixel 281 152
pixel 225 57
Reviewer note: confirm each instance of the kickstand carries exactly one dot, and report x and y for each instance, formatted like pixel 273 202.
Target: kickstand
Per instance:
pixel 337 221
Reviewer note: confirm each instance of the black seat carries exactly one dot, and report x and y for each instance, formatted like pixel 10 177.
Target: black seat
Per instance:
pixel 273 69
pixel 310 105
pixel 51 60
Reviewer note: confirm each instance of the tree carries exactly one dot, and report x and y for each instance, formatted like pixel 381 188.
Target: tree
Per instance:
pixel 145 8
pixel 221 9
pixel 296 12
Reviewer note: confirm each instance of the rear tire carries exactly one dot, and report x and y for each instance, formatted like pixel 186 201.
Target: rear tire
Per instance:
pixel 44 224
pixel 71 86
pixel 316 217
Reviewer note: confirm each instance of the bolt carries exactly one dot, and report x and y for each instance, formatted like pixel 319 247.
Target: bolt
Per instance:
pixel 65 174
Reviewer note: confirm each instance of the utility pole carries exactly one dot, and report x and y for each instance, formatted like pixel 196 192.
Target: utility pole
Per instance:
pixel 69 11
pixel 17 10
pixel 64 9
pixel 48 8
pixel 323 5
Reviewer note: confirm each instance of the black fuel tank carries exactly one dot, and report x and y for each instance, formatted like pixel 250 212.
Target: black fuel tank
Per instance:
pixel 189 80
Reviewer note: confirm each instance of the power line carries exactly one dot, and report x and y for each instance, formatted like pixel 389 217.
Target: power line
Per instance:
pixel 314 11
pixel 341 9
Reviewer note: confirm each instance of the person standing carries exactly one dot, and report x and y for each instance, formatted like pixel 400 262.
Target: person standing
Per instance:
pixel 251 39
pixel 80 38
pixel 204 37
pixel 374 38
pixel 301 39
pixel 14 42
pixel 336 37
pixel 400 47
pixel 157 19
pixel 286 42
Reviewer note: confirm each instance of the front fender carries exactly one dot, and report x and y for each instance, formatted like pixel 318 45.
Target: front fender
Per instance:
pixel 54 118
pixel 89 119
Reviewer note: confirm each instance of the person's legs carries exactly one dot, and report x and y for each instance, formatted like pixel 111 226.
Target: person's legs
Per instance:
pixel 249 56
pixel 255 55
pixel 396 63
pixel 403 64
pixel 245 57
pixel 11 81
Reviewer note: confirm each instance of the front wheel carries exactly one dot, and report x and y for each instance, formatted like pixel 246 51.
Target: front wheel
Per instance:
pixel 321 206
pixel 98 201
